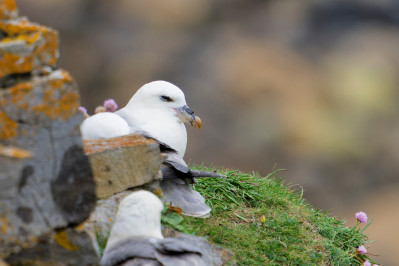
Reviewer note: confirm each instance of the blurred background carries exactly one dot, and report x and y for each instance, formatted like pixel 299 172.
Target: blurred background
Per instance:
pixel 308 86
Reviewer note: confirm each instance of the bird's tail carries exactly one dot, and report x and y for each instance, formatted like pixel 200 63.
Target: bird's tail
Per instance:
pixel 197 173
pixel 182 196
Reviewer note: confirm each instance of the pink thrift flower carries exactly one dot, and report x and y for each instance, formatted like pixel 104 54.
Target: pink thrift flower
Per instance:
pixel 110 105
pixel 83 109
pixel 367 263
pixel 361 250
pixel 361 217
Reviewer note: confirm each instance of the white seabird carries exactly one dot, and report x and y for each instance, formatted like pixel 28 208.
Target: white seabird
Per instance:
pixel 158 110
pixel 136 237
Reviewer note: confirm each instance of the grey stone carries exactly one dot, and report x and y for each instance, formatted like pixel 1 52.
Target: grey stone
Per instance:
pixel 67 247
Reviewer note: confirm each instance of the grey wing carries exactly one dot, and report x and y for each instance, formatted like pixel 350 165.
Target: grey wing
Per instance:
pixel 140 262
pixel 129 249
pixel 177 252
pixel 182 196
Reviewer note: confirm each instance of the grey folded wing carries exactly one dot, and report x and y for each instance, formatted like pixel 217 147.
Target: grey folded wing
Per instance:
pixel 136 251
pixel 178 252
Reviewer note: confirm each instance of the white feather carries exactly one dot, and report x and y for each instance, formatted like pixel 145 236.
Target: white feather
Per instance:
pixel 103 125
pixel 139 215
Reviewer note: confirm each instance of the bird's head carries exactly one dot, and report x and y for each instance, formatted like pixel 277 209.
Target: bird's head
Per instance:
pixel 166 97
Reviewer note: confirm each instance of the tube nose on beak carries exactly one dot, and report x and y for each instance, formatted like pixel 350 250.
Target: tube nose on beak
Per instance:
pixel 188 110
pixel 186 114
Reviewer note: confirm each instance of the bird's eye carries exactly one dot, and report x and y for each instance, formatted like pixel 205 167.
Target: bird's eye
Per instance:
pixel 166 98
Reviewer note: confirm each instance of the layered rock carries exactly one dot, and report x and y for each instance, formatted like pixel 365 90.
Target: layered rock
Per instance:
pixel 123 162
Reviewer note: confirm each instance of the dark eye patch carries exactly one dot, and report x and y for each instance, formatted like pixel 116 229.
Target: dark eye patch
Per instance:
pixel 166 98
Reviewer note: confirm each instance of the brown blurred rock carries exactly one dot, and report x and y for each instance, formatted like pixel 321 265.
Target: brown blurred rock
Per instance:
pixel 123 162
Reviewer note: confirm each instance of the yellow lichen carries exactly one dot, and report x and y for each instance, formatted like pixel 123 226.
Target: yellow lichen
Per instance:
pixel 8 127
pixel 44 40
pixel 80 227
pixel 12 63
pixel 14 152
pixel 62 240
pixel 18 94
pixel 28 38
pixel 15 27
pixel 4 227
pixel 55 107
pixel 7 8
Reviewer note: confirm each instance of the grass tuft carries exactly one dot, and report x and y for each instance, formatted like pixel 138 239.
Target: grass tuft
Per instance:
pixel 291 231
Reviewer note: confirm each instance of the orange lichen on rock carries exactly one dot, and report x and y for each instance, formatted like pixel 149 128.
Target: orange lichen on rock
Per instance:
pixel 19 93
pixel 14 152
pixel 8 127
pixel 12 63
pixel 62 240
pixel 21 26
pixel 39 46
pixel 4 227
pixel 55 106
pixel 94 146
pixel 8 9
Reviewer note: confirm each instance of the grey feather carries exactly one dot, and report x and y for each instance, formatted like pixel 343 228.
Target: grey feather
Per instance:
pixel 125 249
pixel 168 252
pixel 181 195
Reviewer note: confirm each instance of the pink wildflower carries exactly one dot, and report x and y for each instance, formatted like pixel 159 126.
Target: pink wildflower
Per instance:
pixel 361 217
pixel 361 250
pixel 110 105
pixel 83 109
pixel 367 263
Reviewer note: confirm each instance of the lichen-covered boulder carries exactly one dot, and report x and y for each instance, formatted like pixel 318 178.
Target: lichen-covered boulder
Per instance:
pixel 51 187
pixel 26 47
pixel 46 181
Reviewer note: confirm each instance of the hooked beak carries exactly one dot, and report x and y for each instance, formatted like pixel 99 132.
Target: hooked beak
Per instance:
pixel 186 115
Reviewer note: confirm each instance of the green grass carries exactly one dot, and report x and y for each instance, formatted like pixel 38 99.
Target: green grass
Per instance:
pixel 292 233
